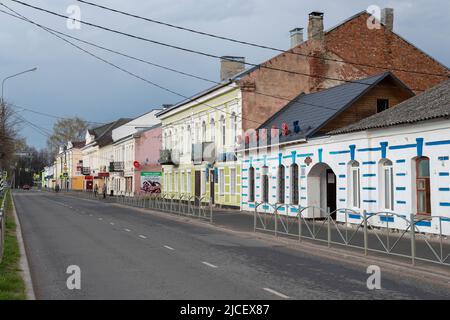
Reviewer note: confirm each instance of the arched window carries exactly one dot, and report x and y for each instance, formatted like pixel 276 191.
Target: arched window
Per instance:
pixel 182 148
pixel 166 142
pixel 387 184
pixel 212 128
pixel 204 131
pixel 281 184
pixel 355 184
pixel 251 184
pixel 423 185
pixel 169 141
pixel 233 126
pixel 265 184
pixel 189 138
pixel 294 184
pixel 223 130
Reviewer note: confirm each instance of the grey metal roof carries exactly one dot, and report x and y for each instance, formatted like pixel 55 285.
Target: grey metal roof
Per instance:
pixel 314 110
pixel 432 104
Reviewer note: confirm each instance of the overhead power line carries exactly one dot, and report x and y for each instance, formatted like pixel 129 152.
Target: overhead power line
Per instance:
pixel 254 44
pixel 120 68
pixel 19 16
pixel 261 66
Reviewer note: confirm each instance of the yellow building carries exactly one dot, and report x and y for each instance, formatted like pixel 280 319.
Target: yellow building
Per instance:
pixel 200 137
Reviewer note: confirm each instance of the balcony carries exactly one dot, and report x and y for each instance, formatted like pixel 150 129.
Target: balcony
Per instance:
pixel 203 152
pixel 117 166
pixel 165 157
pixel 85 171
pixel 227 157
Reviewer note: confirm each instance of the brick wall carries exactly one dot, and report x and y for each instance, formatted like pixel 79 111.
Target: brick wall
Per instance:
pixel 352 41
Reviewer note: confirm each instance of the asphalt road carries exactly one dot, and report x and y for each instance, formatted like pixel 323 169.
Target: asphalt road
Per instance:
pixel 126 254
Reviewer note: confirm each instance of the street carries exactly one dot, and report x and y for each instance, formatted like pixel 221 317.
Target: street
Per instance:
pixel 126 254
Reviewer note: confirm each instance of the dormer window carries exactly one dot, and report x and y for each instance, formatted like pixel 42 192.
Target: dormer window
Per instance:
pixel 382 105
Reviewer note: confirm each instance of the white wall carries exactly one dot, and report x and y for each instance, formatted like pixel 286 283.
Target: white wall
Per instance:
pixel 403 147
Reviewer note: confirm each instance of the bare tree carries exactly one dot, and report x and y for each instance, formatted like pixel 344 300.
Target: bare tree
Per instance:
pixel 9 140
pixel 64 130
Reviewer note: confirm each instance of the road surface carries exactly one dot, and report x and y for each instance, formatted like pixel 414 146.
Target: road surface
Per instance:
pixel 126 254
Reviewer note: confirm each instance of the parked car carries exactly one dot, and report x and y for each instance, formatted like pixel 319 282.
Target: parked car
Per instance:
pixel 26 187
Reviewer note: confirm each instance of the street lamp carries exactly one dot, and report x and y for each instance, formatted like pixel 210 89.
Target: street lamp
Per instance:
pixel 14 75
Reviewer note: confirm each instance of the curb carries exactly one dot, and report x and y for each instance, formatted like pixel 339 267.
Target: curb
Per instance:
pixel 24 266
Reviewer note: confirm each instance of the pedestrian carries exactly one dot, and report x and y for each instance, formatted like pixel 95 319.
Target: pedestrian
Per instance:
pixel 95 190
pixel 57 188
pixel 104 191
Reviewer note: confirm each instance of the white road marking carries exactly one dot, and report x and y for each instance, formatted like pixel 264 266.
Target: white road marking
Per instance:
pixel 127 230
pixel 209 264
pixel 143 237
pixel 100 219
pixel 111 223
pixel 169 248
pixel 276 293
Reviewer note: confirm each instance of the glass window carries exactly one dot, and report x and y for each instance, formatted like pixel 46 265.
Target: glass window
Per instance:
pixel 212 130
pixel 281 184
pixel 382 105
pixel 355 184
pixel 251 184
pixel 294 184
pixel 221 181
pixel 189 182
pixel 265 185
pixel 223 129
pixel 233 181
pixel 203 182
pixel 388 183
pixel 423 186
pixel 203 131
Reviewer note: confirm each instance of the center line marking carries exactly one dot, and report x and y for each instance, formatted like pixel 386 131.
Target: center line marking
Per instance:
pixel 276 293
pixel 143 237
pixel 127 230
pixel 169 248
pixel 209 264
pixel 111 223
pixel 100 219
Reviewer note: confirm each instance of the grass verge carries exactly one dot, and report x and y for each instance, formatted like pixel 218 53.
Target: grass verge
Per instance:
pixel 12 286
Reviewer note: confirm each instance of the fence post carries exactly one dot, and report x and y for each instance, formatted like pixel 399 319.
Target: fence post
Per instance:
pixel 329 226
pixel 276 221
pixel 210 211
pixel 366 239
pixel 300 224
pixel 412 225
pixel 254 218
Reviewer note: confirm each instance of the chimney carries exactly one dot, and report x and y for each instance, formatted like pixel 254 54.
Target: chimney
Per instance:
pixel 315 27
pixel 387 18
pixel 296 37
pixel 230 66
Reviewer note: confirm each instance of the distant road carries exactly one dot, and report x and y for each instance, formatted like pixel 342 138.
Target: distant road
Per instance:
pixel 125 254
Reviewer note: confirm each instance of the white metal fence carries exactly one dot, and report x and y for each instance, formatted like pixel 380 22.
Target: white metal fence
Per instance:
pixel 367 235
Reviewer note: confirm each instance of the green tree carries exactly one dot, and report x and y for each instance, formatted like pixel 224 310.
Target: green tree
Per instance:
pixel 64 130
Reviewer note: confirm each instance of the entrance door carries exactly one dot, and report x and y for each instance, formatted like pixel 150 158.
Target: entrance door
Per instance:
pixel 331 191
pixel 212 185
pixel 198 181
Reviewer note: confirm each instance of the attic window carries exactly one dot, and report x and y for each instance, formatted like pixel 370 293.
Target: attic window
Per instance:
pixel 382 105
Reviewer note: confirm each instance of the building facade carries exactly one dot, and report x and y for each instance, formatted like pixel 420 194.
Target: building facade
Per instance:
pixel 395 161
pixel 199 142
pixel 131 151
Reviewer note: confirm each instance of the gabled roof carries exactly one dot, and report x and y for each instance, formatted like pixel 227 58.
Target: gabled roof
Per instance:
pixel 103 134
pixel 432 104
pixel 314 110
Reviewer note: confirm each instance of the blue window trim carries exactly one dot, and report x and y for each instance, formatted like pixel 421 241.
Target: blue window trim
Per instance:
pixel 400 188
pixel 437 143
pixel 404 146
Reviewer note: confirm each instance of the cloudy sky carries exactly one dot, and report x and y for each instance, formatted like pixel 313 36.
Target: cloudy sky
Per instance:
pixel 69 82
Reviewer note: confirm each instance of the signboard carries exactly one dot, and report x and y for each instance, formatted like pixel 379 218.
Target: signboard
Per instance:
pixel 151 182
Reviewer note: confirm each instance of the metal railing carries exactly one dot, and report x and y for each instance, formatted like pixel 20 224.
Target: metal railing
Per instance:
pixel 180 204
pixel 2 223
pixel 357 230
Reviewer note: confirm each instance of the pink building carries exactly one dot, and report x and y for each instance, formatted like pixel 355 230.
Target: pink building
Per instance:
pixel 147 177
